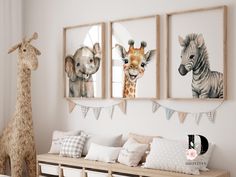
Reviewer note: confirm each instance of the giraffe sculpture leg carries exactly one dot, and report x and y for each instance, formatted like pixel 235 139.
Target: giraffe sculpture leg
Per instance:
pixel 3 166
pixel 31 164
pixel 17 165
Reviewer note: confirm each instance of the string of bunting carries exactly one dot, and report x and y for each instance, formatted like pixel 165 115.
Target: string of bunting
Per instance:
pixel 97 109
pixel 182 115
pixel 155 106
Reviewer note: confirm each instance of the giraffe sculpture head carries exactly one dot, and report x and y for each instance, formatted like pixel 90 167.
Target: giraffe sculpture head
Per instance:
pixel 134 62
pixel 27 53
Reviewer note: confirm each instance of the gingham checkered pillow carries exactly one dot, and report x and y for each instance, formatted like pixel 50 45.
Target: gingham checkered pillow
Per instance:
pixel 72 146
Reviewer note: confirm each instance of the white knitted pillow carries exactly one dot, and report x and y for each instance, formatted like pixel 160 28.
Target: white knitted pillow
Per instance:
pixel 170 155
pixel 72 146
pixel 132 152
pixel 103 153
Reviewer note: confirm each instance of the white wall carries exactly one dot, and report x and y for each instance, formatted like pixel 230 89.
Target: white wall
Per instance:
pixel 50 108
pixel 10 33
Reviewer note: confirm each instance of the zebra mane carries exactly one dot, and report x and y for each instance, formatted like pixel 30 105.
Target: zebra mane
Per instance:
pixel 203 49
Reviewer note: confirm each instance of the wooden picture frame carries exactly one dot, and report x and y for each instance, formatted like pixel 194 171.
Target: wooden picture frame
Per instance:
pixel 84 61
pixel 208 46
pixel 129 36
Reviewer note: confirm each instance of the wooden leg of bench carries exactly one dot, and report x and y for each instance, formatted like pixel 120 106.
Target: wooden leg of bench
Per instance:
pixel 83 172
pixel 38 170
pixel 109 174
pixel 60 171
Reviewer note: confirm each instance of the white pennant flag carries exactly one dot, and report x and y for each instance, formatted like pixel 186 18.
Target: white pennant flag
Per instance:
pixel 155 106
pixel 211 116
pixel 96 112
pixel 84 111
pixel 71 105
pixel 110 111
pixel 197 117
pixel 122 106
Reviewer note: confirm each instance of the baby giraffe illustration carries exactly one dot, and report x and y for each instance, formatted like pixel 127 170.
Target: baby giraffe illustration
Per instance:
pixel 135 61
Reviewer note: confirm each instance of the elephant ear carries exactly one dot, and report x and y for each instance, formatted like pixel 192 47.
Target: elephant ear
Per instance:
pixel 70 67
pixel 97 50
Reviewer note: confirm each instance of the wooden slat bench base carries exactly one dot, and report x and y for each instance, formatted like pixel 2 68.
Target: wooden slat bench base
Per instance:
pixel 112 168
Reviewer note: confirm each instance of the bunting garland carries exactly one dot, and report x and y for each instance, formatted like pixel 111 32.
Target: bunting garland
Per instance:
pixel 97 110
pixel 182 115
pixel 155 106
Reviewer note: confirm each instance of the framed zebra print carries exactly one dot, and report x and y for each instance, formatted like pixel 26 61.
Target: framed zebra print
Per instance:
pixel 135 48
pixel 196 54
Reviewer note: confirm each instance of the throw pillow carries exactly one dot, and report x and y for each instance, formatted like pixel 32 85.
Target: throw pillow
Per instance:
pixel 132 152
pixel 103 153
pixel 57 139
pixel 112 141
pixel 143 139
pixel 72 146
pixel 170 155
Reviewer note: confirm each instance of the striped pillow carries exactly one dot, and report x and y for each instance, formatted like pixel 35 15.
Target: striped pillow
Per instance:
pixel 72 146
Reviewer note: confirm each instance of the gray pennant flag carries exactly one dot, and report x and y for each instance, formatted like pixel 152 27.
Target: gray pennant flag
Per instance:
pixel 169 113
pixel 96 112
pixel 211 116
pixel 84 111
pixel 110 111
pixel 197 117
pixel 155 106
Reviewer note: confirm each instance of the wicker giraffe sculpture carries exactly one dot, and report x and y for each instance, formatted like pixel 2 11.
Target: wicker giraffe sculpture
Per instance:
pixel 17 140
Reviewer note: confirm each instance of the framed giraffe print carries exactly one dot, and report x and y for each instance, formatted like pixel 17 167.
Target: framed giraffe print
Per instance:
pixel 196 54
pixel 84 61
pixel 135 48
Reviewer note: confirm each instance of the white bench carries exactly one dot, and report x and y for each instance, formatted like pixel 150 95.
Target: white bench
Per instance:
pixel 54 165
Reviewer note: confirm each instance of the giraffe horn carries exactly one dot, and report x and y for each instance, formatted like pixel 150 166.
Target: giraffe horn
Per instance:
pixel 131 44
pixel 34 36
pixel 143 44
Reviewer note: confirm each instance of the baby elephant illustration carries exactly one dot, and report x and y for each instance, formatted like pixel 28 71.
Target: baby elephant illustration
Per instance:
pixel 80 67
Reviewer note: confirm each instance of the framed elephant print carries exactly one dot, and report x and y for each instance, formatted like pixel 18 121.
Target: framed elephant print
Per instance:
pixel 196 54
pixel 135 58
pixel 84 61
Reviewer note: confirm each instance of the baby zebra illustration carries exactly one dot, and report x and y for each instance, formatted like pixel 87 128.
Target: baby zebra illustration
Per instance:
pixel 194 57
pixel 80 67
pixel 134 61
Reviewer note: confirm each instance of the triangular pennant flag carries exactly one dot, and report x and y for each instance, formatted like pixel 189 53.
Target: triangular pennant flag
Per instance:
pixel 169 113
pixel 122 106
pixel 197 117
pixel 211 116
pixel 71 105
pixel 110 111
pixel 155 106
pixel 182 116
pixel 96 112
pixel 84 110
